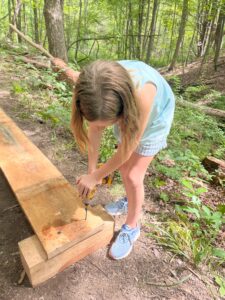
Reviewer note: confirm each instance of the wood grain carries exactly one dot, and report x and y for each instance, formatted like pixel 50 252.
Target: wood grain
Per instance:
pixel 39 268
pixel 52 206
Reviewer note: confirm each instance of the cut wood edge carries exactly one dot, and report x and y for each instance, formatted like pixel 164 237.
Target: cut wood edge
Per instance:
pixel 39 268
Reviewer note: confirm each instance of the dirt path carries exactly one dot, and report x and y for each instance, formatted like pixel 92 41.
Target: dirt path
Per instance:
pixel 96 276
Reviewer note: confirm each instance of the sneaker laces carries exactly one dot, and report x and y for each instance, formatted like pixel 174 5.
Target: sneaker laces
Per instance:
pixel 124 238
pixel 122 203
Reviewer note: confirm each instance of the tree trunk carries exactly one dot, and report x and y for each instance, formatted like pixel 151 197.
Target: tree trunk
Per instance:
pixel 219 35
pixel 78 29
pixel 140 24
pixel 16 9
pixel 53 12
pixel 146 28
pixel 172 32
pixel 210 33
pixel 152 31
pixel 181 34
pixel 19 21
pixel 36 27
pixel 203 13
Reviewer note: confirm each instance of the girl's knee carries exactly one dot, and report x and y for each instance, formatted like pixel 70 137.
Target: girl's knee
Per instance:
pixel 134 179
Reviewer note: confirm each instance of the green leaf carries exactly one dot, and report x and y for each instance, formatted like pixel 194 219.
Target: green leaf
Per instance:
pixel 187 184
pixel 201 190
pixel 195 200
pixel 218 252
pixel 206 210
pixel 221 283
pixel 164 197
pixel 221 208
pixel 192 210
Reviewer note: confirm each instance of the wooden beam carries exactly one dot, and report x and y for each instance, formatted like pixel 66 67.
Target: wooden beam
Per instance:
pixel 52 206
pixel 39 268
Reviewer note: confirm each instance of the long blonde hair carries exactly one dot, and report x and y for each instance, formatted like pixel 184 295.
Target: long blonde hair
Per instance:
pixel 104 91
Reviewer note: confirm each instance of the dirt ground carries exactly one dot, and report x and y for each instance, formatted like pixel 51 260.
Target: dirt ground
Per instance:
pixel 190 74
pixel 140 276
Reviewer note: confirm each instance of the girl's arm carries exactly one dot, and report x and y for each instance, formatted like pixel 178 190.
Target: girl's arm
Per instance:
pixel 145 100
pixel 87 182
pixel 94 137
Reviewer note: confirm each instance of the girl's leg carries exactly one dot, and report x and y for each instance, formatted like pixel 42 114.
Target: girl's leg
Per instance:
pixel 133 172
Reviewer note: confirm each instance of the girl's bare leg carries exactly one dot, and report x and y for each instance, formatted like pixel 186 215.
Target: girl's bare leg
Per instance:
pixel 133 173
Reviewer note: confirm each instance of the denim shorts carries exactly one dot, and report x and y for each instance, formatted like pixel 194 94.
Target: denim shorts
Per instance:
pixel 151 149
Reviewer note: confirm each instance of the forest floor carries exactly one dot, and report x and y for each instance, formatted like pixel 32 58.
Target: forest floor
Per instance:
pixel 209 76
pixel 140 276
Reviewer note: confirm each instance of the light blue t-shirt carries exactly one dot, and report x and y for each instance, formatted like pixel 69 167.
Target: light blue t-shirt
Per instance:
pixel 162 112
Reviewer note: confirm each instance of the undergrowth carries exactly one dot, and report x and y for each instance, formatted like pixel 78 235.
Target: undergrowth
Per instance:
pixel 195 227
pixel 193 230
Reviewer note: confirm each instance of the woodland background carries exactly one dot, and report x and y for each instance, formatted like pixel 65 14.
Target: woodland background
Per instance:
pixel 155 31
pixel 184 211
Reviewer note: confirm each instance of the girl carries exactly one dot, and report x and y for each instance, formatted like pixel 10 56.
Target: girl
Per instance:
pixel 138 101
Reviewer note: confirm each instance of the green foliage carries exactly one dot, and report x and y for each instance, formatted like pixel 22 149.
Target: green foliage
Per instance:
pixel 212 97
pixel 18 87
pixel 57 114
pixel 197 132
pixel 163 196
pixel 175 83
pixel 194 93
pixel 218 100
pixel 186 164
pixel 221 283
pixel 194 231
pixel 108 143
pixel 193 137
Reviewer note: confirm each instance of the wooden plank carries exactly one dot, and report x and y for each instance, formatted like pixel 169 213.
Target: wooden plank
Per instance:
pixel 38 268
pixel 22 162
pixel 52 206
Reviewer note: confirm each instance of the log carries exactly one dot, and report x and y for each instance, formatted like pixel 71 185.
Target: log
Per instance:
pixel 212 164
pixel 207 110
pixel 65 73
pixel 39 47
pixel 216 167
pixel 58 65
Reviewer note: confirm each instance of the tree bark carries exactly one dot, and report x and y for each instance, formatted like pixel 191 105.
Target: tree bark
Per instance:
pixel 152 31
pixel 219 35
pixel 36 27
pixel 53 12
pixel 140 24
pixel 181 34
pixel 15 15
pixel 78 29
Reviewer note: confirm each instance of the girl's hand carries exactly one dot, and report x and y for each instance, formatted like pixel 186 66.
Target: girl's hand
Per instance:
pixel 85 184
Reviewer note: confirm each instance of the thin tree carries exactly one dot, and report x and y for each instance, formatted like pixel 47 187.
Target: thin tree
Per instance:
pixel 152 31
pixel 36 25
pixel 181 34
pixel 78 29
pixel 219 34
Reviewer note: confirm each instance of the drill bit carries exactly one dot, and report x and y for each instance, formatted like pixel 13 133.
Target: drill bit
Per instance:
pixel 86 209
pixel 90 196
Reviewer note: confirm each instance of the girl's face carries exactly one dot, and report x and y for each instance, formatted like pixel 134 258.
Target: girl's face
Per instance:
pixel 103 124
